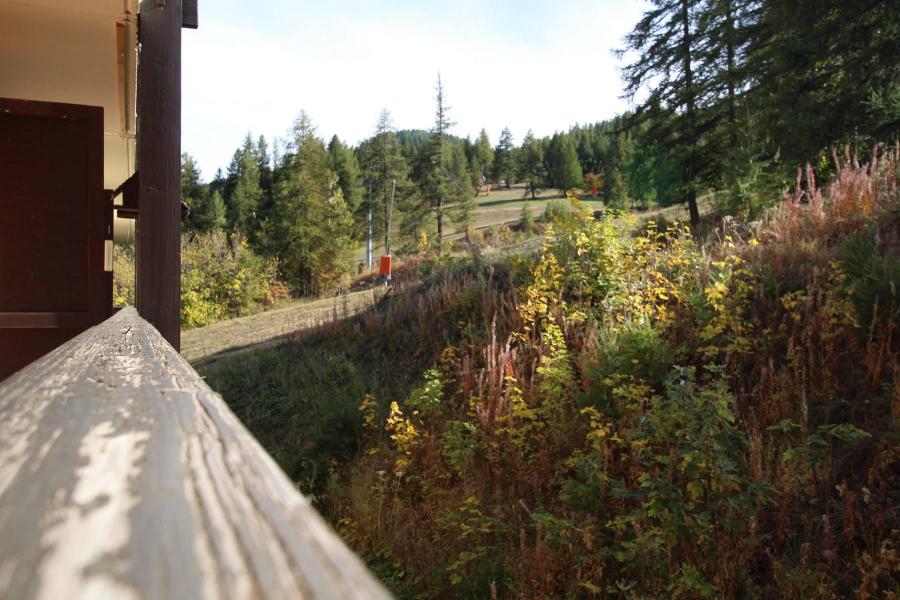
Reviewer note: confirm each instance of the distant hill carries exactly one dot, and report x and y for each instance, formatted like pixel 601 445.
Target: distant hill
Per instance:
pixel 419 137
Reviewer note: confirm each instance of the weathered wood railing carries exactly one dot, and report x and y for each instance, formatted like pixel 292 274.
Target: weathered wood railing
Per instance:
pixel 122 474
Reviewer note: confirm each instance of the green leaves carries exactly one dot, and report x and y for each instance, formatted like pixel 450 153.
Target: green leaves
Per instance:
pixel 844 432
pixel 427 398
pixel 222 278
pixel 458 444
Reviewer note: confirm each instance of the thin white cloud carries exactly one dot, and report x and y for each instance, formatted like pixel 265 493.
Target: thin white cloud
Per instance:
pixel 344 64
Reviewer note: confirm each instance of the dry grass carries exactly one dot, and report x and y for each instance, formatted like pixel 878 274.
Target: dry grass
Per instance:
pixel 226 338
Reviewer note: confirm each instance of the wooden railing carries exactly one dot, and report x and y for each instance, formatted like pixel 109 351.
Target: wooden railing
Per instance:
pixel 122 474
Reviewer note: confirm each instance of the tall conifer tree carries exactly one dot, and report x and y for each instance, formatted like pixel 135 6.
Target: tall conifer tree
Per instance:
pixel 386 176
pixel 531 164
pixel 679 85
pixel 243 204
pixel 310 227
pixel 343 163
pixel 485 153
pixel 438 184
pixel 207 210
pixel 504 159
pixel 460 187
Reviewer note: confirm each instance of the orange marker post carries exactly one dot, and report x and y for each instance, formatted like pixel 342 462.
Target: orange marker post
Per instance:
pixel 384 271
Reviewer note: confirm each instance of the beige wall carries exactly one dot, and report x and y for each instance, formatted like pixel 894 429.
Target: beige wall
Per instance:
pixel 68 51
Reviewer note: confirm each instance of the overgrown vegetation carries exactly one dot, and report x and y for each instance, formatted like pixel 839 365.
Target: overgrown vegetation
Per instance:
pixel 221 278
pixel 622 415
pixel 640 410
pixel 301 400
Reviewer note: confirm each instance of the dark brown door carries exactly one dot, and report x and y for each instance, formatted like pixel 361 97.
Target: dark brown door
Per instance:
pixel 54 220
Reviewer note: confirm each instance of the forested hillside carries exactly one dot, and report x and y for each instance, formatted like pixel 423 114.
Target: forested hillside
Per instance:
pixel 641 408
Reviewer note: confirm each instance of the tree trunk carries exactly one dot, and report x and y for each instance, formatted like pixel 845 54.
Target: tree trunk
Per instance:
pixel 690 116
pixel 730 51
pixel 695 212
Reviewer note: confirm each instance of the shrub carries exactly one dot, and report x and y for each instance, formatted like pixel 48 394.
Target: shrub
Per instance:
pixel 555 211
pixel 222 278
pixel 123 275
pixel 526 219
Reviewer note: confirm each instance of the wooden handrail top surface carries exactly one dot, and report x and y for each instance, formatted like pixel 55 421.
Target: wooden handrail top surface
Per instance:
pixel 123 475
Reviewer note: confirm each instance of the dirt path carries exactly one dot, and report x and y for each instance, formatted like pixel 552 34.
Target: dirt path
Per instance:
pixel 269 328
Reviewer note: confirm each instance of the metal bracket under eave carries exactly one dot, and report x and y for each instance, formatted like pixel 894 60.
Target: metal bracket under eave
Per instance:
pixel 130 197
pixel 129 209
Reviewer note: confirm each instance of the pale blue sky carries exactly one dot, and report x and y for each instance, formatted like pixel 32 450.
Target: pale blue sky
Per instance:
pixel 539 64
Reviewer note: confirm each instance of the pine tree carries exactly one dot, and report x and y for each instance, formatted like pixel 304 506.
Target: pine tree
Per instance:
pixel 824 72
pixel 569 168
pixel 386 174
pixel 207 210
pixel 504 159
pixel 643 171
pixel 562 157
pixel 615 186
pixel 476 171
pixel 342 162
pixel 191 191
pixel 531 164
pixel 310 228
pixel 728 25
pixel 191 187
pixel 485 153
pixel 266 176
pixel 586 157
pixel 461 192
pixel 438 181
pixel 243 202
pixel 526 219
pixel 680 86
pixel 210 213
pixel 218 183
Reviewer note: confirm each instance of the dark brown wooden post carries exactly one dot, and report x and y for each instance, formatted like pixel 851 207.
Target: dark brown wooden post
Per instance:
pixel 189 14
pixel 158 261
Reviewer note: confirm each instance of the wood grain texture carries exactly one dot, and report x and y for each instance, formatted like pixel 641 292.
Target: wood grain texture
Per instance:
pixel 122 474
pixel 158 260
